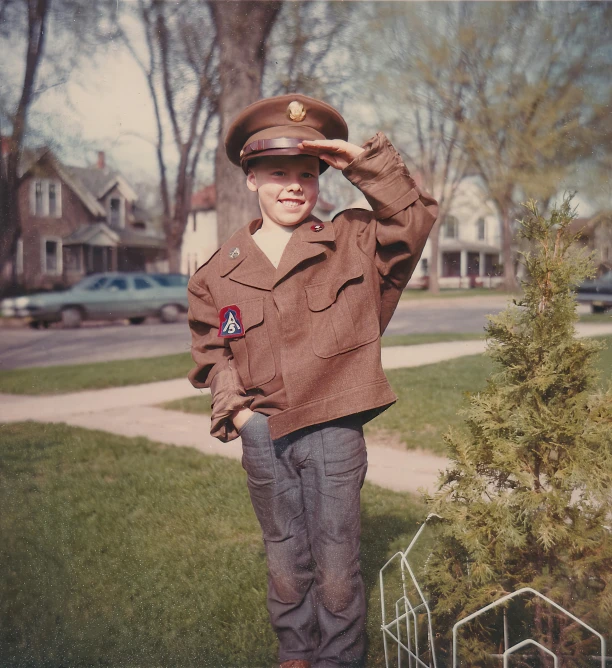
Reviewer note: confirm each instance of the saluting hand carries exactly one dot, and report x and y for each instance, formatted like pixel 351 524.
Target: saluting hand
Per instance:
pixel 335 152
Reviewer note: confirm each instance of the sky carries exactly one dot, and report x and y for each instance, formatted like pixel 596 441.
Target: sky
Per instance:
pixel 106 106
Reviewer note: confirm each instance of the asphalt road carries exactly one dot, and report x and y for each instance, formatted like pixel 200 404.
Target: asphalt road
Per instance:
pixel 24 347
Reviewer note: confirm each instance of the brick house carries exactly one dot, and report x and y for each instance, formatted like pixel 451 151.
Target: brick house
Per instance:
pixel 80 220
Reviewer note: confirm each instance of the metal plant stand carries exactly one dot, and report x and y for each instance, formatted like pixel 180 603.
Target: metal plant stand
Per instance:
pixel 410 629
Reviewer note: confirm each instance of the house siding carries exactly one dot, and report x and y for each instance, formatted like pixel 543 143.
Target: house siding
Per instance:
pixel 37 228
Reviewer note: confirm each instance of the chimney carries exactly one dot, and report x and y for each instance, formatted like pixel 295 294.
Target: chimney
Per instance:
pixel 101 160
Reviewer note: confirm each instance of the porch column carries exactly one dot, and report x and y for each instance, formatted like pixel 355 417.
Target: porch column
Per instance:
pixel 464 264
pixel 481 264
pixel 114 258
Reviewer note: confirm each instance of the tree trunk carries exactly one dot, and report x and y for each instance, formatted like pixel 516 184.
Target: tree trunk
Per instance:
pixel 510 282
pixel 434 265
pixel 242 30
pixel 174 256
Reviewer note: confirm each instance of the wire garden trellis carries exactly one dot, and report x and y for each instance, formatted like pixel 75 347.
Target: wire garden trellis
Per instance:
pixel 410 629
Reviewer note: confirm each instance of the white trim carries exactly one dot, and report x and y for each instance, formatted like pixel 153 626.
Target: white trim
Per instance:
pixel 58 256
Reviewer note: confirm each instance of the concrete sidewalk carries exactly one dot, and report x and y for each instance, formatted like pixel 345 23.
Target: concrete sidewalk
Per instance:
pixel 131 411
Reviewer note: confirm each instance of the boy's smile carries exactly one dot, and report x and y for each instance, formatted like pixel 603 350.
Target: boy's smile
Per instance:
pixel 287 187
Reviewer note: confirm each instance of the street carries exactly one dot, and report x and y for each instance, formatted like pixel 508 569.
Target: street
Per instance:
pixel 24 347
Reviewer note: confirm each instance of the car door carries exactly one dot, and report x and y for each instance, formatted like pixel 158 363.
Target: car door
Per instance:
pixel 112 300
pixel 146 297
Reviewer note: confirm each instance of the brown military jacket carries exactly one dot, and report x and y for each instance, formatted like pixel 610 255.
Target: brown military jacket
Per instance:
pixel 310 348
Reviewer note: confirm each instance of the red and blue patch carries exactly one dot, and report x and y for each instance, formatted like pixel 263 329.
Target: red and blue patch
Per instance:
pixel 230 322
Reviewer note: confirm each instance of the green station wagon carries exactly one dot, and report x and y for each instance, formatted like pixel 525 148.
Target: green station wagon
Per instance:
pixel 112 296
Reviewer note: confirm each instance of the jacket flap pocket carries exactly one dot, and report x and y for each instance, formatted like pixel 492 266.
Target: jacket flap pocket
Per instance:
pixel 251 313
pixel 322 295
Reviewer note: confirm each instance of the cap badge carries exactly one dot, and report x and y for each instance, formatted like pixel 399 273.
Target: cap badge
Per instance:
pixel 296 111
pixel 230 322
pixel 234 253
pixel 317 227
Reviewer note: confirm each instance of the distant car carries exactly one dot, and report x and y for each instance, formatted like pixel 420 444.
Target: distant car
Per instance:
pixel 597 293
pixel 111 296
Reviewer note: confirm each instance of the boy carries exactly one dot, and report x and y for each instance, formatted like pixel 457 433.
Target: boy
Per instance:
pixel 286 319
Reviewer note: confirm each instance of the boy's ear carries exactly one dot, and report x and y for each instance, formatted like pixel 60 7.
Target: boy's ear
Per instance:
pixel 251 181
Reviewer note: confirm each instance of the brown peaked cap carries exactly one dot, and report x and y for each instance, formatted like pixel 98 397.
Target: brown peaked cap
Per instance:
pixel 275 125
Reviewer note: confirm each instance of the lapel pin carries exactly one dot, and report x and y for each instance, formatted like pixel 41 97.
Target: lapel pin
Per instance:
pixel 317 228
pixel 234 253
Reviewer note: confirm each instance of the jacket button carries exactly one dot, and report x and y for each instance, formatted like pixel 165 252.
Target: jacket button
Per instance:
pixel 317 228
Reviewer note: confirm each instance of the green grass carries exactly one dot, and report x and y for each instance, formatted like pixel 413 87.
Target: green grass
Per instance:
pixel 454 293
pixel 418 339
pixel 428 399
pixel 101 375
pixel 597 318
pixel 95 376
pixel 124 552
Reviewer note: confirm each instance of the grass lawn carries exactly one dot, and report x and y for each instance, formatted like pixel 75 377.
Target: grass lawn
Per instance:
pixel 100 375
pixel 451 293
pixel 95 376
pixel 125 552
pixel 428 400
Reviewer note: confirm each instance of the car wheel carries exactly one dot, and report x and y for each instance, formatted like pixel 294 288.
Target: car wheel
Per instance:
pixel 71 318
pixel 137 321
pixel 169 313
pixel 597 309
pixel 35 324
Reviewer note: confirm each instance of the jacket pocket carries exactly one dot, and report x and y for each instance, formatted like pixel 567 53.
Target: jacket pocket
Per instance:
pixel 342 313
pixel 253 351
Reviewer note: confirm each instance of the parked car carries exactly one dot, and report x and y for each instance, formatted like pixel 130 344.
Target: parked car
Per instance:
pixel 109 296
pixel 597 293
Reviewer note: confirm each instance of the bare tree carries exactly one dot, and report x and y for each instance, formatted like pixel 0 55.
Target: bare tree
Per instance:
pixel 514 89
pixel 25 24
pixel 242 31
pixel 180 68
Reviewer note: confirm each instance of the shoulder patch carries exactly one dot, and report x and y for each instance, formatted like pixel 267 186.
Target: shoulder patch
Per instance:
pixel 230 322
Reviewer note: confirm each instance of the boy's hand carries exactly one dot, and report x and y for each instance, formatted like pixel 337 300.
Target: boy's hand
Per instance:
pixel 240 417
pixel 335 152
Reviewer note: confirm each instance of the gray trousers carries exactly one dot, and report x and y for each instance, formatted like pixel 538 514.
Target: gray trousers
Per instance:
pixel 305 489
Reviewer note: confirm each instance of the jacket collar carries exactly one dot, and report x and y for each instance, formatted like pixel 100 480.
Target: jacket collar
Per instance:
pixel 251 267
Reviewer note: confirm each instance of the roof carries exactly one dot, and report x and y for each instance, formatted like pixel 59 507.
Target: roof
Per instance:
pixel 100 234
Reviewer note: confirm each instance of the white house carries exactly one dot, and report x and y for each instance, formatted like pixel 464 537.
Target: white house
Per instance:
pixel 200 236
pixel 469 243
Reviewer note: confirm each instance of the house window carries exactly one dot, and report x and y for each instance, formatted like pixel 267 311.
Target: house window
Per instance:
pixel 115 212
pixel 52 257
pixel 39 210
pixel 492 266
pixel 451 227
pixel 46 198
pixel 72 258
pixel 473 264
pixel 451 264
pixel 424 266
pixel 480 226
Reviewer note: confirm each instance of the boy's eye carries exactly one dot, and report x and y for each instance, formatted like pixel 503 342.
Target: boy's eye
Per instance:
pixel 278 172
pixel 308 175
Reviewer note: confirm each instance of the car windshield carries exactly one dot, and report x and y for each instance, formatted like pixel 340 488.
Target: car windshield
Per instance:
pixel 171 280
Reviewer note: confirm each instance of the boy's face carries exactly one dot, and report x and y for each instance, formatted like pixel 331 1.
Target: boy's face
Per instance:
pixel 287 186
